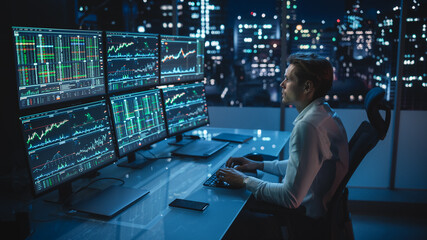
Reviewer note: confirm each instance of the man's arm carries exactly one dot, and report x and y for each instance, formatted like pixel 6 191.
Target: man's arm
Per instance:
pixel 276 167
pixel 305 160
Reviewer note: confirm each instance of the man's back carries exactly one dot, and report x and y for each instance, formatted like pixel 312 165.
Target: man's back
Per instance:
pixel 318 161
pixel 331 139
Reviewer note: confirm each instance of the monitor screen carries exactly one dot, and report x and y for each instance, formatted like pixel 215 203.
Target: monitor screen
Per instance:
pixel 66 143
pixel 181 59
pixel 186 107
pixel 132 60
pixel 55 65
pixel 138 120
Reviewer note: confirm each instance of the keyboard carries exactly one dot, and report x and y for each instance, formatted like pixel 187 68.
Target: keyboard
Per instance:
pixel 213 181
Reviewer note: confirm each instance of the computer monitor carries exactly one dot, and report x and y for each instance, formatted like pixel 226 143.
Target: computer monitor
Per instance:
pixel 57 65
pixel 138 121
pixel 181 59
pixel 132 60
pixel 67 143
pixel 186 108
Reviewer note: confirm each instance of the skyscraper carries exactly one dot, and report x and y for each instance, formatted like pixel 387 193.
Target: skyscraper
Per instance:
pixel 207 19
pixel 353 18
pixel 357 34
pixel 355 58
pixel 414 87
pixel 257 57
pixel 314 37
pixel 249 31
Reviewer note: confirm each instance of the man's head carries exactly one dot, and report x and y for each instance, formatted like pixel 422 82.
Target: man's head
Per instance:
pixel 308 77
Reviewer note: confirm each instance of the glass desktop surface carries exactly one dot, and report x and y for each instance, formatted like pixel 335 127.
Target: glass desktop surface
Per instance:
pixel 166 179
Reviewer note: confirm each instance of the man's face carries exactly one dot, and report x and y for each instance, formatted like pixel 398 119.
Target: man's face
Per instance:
pixel 292 92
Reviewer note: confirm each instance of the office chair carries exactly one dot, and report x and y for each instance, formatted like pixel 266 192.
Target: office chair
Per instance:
pixel 336 224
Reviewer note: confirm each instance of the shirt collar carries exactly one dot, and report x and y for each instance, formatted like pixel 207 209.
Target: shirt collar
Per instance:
pixel 316 102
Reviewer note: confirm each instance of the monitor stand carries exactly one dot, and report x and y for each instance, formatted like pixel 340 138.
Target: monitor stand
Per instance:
pixel 65 190
pixel 101 203
pixel 134 162
pixel 64 193
pixel 180 141
pixel 110 201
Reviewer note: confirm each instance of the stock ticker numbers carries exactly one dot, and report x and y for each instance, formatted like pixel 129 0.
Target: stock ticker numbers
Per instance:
pixel 132 60
pixel 185 107
pixel 57 65
pixel 66 142
pixel 182 59
pixel 138 119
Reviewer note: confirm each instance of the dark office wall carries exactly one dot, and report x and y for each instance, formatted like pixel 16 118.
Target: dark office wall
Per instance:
pixel 43 13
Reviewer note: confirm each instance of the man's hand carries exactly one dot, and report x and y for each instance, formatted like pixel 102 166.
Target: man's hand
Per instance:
pixel 243 164
pixel 231 176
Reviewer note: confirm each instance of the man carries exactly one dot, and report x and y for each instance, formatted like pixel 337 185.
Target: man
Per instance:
pixel 318 147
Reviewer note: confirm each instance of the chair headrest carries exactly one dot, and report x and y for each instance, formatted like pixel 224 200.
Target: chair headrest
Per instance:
pixel 374 101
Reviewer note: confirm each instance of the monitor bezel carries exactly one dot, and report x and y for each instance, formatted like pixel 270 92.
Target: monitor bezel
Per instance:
pixel 74 178
pixel 189 129
pixel 113 122
pixel 65 103
pixel 129 90
pixel 161 82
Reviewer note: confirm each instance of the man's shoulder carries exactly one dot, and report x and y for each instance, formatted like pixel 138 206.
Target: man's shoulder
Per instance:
pixel 318 114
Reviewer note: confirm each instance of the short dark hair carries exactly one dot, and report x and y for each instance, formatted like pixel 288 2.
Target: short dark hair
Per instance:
pixel 309 66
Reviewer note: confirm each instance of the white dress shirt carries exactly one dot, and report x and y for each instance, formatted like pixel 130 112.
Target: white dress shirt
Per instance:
pixel 318 161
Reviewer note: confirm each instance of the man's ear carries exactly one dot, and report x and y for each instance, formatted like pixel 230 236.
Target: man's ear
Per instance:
pixel 308 86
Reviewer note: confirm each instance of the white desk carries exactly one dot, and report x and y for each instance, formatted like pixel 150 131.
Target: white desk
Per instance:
pixel 166 179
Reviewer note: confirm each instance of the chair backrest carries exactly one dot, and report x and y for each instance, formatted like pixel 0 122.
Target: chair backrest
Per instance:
pixel 374 102
pixel 363 141
pixel 367 135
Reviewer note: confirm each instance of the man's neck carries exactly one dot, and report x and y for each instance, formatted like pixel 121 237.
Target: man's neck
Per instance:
pixel 302 105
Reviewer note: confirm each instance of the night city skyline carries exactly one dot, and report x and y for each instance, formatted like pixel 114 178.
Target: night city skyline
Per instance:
pixel 317 10
pixel 361 58
pixel 351 51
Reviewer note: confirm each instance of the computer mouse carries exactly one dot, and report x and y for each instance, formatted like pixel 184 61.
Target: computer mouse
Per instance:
pixel 260 156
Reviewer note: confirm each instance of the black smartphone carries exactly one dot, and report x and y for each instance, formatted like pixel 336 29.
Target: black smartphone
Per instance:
pixel 188 204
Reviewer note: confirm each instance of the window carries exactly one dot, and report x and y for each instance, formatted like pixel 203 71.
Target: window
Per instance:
pixel 243 45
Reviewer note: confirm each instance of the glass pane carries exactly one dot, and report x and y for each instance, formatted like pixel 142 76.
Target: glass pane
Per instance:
pixel 243 43
pixel 414 75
